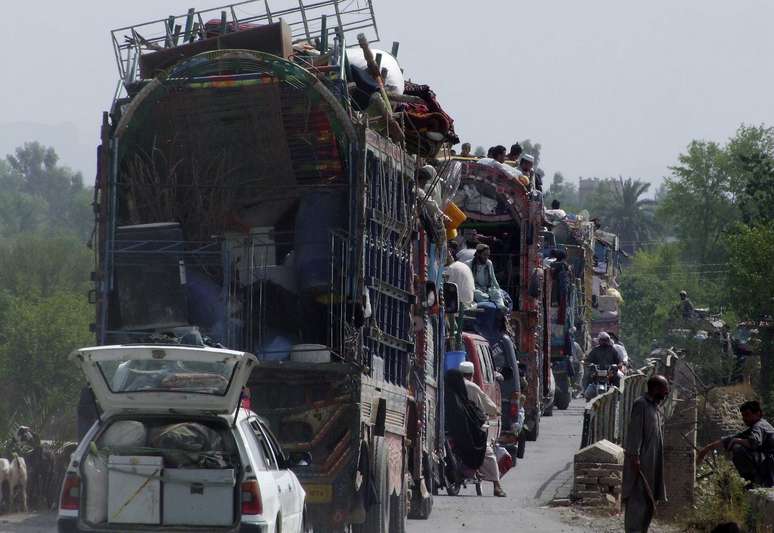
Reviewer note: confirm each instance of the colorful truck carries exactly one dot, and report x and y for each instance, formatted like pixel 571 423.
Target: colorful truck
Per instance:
pixel 500 207
pixel 244 200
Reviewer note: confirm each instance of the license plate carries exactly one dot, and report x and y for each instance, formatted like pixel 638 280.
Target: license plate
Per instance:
pixel 318 493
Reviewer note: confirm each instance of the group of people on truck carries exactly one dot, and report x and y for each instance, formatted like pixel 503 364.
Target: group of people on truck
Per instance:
pixel 516 162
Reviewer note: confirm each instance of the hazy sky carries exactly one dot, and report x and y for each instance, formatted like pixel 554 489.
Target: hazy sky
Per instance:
pixel 608 87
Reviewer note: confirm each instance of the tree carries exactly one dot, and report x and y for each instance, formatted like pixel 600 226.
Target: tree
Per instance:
pixel 751 256
pixel 35 187
pixel 751 166
pixel 564 191
pixel 33 265
pixel 532 149
pixel 699 201
pixel 38 334
pixel 628 214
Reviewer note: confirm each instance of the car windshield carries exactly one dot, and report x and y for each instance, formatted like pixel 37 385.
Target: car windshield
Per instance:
pixel 168 375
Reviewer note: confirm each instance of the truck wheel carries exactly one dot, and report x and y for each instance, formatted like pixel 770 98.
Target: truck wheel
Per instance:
pixel 378 514
pixel 563 394
pixel 398 513
pixel 549 411
pixel 522 447
pixel 421 507
pixel 532 429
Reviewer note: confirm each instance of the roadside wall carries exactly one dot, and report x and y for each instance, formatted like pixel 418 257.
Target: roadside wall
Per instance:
pixel 606 417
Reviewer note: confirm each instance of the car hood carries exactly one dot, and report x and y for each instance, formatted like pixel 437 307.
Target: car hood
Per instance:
pixel 165 379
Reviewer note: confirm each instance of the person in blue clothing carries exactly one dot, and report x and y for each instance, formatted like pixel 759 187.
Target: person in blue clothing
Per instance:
pixel 486 287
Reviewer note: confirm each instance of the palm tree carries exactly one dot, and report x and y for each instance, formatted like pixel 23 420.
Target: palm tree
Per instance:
pixel 628 215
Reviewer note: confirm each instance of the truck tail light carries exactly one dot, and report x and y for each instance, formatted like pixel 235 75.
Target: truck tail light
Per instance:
pixel 71 492
pixel 251 498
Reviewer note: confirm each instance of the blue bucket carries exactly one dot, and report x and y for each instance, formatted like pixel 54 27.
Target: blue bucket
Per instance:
pixel 452 360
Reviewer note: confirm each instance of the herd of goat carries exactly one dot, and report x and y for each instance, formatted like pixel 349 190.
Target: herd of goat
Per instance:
pixel 31 478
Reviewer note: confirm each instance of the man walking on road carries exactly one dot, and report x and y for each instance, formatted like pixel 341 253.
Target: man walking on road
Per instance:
pixel 643 475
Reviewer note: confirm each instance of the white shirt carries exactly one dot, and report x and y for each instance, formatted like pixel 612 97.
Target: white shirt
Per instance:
pixel 460 274
pixel 622 355
pixel 479 397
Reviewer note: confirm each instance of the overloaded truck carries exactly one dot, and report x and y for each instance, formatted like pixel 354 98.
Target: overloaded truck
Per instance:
pixel 569 254
pixel 500 207
pixel 245 200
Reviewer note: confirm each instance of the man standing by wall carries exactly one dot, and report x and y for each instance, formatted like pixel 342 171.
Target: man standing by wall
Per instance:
pixel 643 476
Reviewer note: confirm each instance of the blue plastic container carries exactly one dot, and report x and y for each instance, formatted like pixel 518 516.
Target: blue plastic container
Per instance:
pixel 452 360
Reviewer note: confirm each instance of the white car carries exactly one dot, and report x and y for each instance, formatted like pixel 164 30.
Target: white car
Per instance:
pixel 175 450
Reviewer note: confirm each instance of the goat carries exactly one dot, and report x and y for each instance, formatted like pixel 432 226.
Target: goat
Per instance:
pixel 46 468
pixel 17 481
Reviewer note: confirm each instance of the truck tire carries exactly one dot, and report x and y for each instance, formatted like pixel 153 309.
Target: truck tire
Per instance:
pixel 398 513
pixel 521 447
pixel 422 507
pixel 549 411
pixel 563 393
pixel 378 514
pixel 532 428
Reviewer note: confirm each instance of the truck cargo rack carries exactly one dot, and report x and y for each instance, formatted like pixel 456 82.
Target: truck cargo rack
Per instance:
pixel 313 19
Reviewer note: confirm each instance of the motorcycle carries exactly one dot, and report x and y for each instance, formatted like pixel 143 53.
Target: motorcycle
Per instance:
pixel 600 380
pixel 456 474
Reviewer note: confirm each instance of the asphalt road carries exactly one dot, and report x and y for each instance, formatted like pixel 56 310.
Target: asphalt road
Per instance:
pixel 543 475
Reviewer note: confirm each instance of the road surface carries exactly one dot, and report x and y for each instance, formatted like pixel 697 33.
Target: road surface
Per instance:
pixel 544 474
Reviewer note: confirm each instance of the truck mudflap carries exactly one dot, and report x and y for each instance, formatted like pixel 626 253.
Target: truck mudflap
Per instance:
pixel 314 408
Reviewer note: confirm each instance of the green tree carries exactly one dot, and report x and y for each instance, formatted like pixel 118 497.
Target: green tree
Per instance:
pixel 699 201
pixel 38 193
pixel 33 265
pixel 533 149
pixel 628 214
pixel 751 166
pixel 751 256
pixel 35 375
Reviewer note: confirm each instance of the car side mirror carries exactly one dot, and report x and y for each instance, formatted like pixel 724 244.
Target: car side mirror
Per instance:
pixel 451 298
pixel 303 460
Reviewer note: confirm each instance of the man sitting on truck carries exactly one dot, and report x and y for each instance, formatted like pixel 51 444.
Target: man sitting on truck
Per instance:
pixel 489 471
pixel 487 289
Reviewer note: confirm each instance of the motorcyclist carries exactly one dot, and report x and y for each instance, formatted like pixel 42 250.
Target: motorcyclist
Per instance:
pixel 603 356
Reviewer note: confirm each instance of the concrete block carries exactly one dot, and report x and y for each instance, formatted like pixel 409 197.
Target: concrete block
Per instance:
pixel 603 451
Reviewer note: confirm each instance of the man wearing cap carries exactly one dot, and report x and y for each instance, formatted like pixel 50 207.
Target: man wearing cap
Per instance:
pixel 489 471
pixel 526 162
pixel 685 307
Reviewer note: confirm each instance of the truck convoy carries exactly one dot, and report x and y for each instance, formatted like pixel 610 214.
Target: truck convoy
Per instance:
pixel 257 190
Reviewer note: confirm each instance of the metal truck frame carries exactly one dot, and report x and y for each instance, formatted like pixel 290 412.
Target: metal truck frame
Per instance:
pixel 520 213
pixel 203 172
